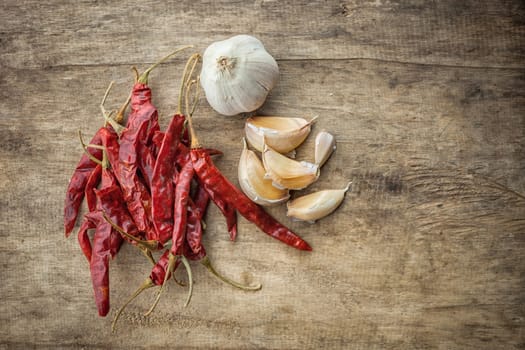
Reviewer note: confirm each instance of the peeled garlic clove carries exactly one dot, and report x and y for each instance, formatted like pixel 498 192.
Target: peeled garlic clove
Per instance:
pixel 316 205
pixel 237 74
pixel 251 178
pixel 280 133
pixel 324 146
pixel 288 173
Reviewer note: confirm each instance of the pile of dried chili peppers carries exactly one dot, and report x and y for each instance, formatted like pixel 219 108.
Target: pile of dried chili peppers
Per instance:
pixel 151 188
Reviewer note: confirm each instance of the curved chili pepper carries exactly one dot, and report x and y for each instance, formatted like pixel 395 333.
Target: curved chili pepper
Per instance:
pixel 77 185
pixel 193 248
pixel 83 238
pixel 201 199
pixel 135 192
pixel 217 185
pixel 106 241
pixel 182 193
pixel 197 208
pixel 99 267
pixel 162 184
pixel 156 142
pixel 227 210
pixel 91 185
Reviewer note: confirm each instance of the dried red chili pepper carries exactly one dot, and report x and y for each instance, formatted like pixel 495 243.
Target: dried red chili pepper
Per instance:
pixel 106 242
pixel 157 143
pixel 162 185
pixel 110 211
pixel 218 186
pixel 91 200
pixel 91 185
pixel 164 216
pixel 182 194
pixel 193 248
pixel 201 199
pixel 99 266
pixel 133 153
pixel 115 211
pixel 77 184
pixel 82 175
pixel 105 246
pixel 83 239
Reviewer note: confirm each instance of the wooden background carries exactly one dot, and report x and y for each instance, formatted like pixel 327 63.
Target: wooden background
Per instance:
pixel 426 100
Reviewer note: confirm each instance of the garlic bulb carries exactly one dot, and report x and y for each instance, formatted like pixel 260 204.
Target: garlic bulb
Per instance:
pixel 253 184
pixel 281 134
pixel 324 146
pixel 286 172
pixel 316 205
pixel 237 74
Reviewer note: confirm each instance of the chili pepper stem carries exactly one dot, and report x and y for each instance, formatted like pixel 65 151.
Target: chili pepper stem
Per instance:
pixel 145 244
pixel 186 75
pixel 169 271
pixel 143 79
pixel 190 279
pixel 149 256
pixel 120 113
pixel 189 118
pixel 148 283
pixel 206 262
pixel 85 147
pixel 180 283
pixel 136 73
pixel 114 122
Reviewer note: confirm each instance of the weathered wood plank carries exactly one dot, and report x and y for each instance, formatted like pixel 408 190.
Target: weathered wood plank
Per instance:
pixel 427 251
pixel 467 33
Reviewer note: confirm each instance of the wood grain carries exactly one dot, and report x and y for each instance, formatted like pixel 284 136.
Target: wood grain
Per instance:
pixel 470 33
pixel 427 105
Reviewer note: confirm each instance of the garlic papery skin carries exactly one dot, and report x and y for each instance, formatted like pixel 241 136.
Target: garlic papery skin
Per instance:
pixel 237 74
pixel 324 147
pixel 251 178
pixel 288 173
pixel 315 206
pixel 280 133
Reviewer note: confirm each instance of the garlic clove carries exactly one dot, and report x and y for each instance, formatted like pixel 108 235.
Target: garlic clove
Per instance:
pixel 317 205
pixel 251 179
pixel 324 146
pixel 237 74
pixel 288 173
pixel 281 134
